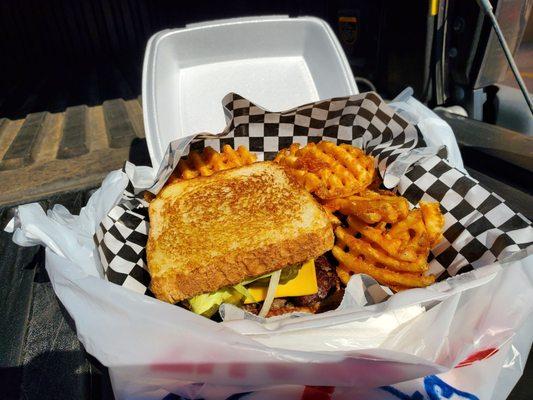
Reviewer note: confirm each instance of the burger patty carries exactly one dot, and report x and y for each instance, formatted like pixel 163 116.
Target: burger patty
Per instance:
pixel 327 282
pixel 328 296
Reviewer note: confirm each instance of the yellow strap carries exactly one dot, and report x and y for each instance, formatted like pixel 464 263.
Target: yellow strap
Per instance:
pixel 433 7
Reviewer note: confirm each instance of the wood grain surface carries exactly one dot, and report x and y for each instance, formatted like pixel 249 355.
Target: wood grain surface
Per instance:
pixel 49 153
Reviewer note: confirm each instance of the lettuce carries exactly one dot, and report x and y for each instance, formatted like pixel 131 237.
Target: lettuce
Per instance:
pixel 208 303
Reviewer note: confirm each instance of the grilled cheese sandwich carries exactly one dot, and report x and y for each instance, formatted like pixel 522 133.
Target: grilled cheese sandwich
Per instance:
pixel 217 231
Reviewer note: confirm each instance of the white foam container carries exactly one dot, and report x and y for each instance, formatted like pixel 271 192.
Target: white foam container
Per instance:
pixel 276 62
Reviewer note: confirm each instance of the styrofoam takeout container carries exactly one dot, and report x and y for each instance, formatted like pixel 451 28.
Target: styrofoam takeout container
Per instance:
pixel 277 62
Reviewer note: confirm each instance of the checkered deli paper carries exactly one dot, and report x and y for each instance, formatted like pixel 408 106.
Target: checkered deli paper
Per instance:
pixel 480 228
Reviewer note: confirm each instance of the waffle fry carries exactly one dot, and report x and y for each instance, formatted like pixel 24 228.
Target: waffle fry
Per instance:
pixel 343 274
pixel 332 218
pixel 148 196
pixel 375 185
pixel 382 275
pixel 397 288
pixel 406 240
pixel 394 253
pixel 371 207
pixel 434 221
pixel 328 170
pixel 210 161
pixel 357 263
pixel 373 254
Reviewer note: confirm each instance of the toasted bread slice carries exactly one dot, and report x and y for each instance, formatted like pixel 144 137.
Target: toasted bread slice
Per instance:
pixel 216 231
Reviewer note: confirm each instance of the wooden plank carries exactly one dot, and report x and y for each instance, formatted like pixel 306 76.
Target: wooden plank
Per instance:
pixel 47 143
pixel 19 152
pixel 104 133
pixel 3 124
pixel 118 125
pixel 96 132
pixel 74 133
pixel 135 114
pixel 8 131
pixel 38 181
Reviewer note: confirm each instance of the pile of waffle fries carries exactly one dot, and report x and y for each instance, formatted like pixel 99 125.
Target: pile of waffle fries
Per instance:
pixel 327 170
pixel 376 233
pixel 210 161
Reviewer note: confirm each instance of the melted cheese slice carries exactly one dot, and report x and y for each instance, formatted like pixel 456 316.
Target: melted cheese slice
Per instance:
pixel 303 285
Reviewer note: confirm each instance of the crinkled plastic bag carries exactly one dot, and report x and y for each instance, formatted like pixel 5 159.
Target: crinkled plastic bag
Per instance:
pixel 435 130
pixel 153 348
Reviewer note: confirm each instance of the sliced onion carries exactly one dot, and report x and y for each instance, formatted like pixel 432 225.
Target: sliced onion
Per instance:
pixel 271 292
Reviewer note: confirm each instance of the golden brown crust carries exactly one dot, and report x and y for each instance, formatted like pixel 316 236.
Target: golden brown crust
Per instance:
pixel 215 231
pixel 233 268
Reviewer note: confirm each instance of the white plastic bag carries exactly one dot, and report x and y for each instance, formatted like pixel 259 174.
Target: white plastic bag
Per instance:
pixel 435 130
pixel 153 348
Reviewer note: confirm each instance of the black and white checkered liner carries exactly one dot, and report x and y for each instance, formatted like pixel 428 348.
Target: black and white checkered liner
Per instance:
pixel 121 242
pixel 480 228
pixel 363 120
